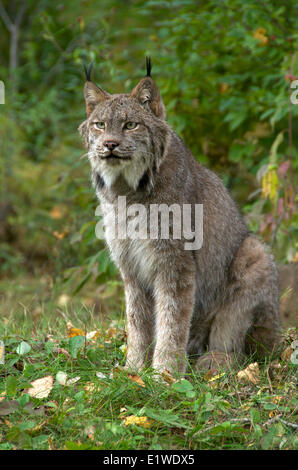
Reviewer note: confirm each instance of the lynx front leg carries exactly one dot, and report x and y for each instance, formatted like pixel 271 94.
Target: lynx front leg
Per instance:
pixel 174 307
pixel 139 318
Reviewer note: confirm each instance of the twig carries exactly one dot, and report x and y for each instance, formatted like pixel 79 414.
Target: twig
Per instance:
pixel 5 17
pixel 295 426
pixel 278 418
pixel 233 420
pixel 272 420
pixel 269 381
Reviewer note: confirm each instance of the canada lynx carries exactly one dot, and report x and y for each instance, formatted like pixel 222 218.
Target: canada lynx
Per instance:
pixel 221 299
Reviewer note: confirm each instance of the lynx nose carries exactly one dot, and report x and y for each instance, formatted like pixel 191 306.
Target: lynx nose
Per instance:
pixel 111 145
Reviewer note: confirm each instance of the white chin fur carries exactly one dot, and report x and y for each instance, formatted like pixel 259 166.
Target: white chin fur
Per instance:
pixel 132 171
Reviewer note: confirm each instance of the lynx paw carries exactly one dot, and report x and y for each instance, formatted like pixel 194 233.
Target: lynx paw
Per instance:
pixel 216 360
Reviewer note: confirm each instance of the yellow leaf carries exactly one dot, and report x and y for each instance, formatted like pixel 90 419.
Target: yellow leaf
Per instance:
pixel 259 34
pixel 218 376
pixel 136 379
pixel 56 213
pixel 41 388
pixel 223 88
pixel 59 235
pixel 71 332
pixel 142 421
pixel 273 413
pixel 270 184
pixel 250 374
pixel 111 332
pixel 123 348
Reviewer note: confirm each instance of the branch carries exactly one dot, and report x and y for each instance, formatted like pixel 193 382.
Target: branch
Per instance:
pixel 20 13
pixel 5 17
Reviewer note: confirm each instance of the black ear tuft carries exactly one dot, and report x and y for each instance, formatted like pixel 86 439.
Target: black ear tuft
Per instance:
pixel 88 71
pixel 148 66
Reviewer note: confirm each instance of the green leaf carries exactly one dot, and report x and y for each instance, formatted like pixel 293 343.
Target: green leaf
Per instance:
pixel 23 348
pixel 75 343
pixel 11 385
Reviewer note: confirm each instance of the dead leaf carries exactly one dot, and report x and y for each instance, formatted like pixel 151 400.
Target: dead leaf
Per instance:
pixel 63 300
pixel 60 235
pixel 89 432
pixel 51 444
pixel 73 381
pixel 250 374
pixel 100 375
pixel 56 213
pixel 167 376
pixel 286 354
pixel 71 332
pixel 41 388
pixel 142 421
pixel 93 335
pixel 111 333
pixel 8 406
pixel 137 379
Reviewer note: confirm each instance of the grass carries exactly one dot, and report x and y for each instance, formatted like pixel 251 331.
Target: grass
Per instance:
pixel 199 411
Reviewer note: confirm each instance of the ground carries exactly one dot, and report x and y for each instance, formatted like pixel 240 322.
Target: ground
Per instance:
pixel 90 402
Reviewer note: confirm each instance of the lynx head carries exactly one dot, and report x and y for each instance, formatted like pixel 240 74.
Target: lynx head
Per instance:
pixel 125 134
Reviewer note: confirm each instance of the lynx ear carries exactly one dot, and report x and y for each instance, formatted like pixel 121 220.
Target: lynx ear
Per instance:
pixel 93 94
pixel 147 93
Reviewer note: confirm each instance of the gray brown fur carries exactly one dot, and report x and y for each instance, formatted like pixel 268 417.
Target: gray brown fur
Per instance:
pixel 222 297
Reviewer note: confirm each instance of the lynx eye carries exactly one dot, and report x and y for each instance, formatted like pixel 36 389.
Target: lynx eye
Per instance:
pixel 99 125
pixel 131 125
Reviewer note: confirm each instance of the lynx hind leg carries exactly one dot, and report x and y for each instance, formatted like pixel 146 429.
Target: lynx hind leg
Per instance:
pixel 249 320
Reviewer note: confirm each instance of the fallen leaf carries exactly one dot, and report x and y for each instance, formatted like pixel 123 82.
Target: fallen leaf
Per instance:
pixel 63 300
pixel 90 431
pixel 92 335
pixel 218 376
pixel 286 354
pixel 71 332
pixel 34 410
pixel 111 332
pixel 167 376
pixel 56 213
pixel 8 406
pixel 41 388
pixel 51 444
pixel 123 348
pixel 250 374
pixel 23 348
pixel 61 377
pixel 73 381
pixel 60 235
pixel 142 421
pixel 136 379
pixel 100 375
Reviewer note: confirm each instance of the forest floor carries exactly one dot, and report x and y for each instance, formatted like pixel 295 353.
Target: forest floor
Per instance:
pixel 63 386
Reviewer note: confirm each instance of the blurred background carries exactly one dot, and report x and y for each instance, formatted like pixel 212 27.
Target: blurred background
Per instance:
pixel 224 69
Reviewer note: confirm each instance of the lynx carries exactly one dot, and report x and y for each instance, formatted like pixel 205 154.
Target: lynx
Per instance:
pixel 213 304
